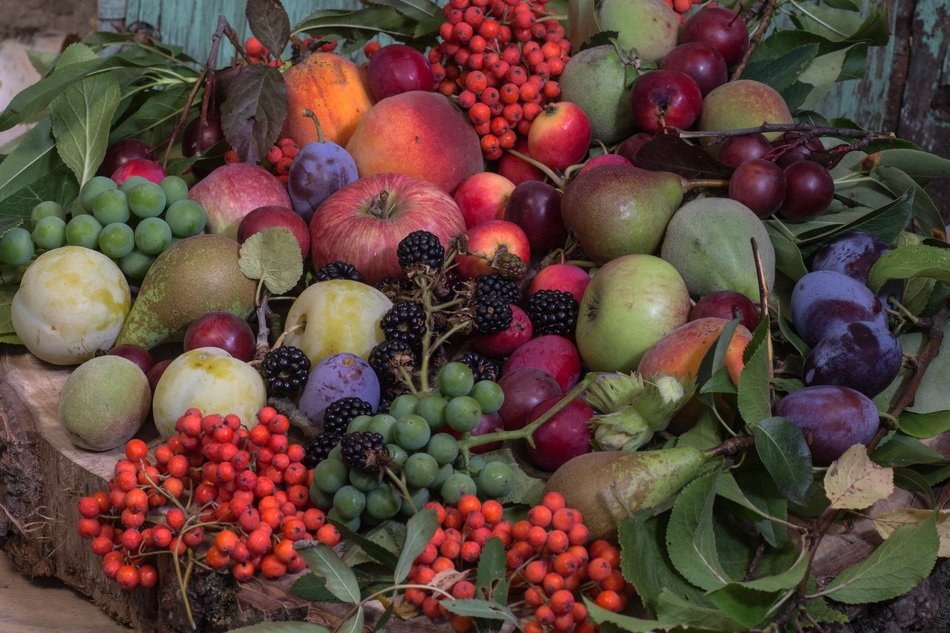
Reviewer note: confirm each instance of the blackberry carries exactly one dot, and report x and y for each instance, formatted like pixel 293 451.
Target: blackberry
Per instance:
pixel 364 450
pixel 405 321
pixel 482 367
pixel 285 370
pixel 340 413
pixel 420 247
pixel 492 314
pixel 388 357
pixel 338 270
pixel 496 284
pixel 553 312
pixel 319 448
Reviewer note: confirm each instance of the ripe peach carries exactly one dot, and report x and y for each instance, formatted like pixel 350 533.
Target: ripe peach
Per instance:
pixel 681 352
pixel 420 134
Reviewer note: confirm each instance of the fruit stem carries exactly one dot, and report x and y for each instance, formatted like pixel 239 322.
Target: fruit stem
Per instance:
pixel 557 179
pixel 732 447
pixel 702 183
pixel 816 130
pixel 765 12
pixel 316 122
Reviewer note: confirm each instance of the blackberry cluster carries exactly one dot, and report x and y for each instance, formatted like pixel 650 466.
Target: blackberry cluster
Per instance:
pixel 339 414
pixel 285 370
pixel 492 314
pixel 420 247
pixel 483 368
pixel 364 450
pixel 498 285
pixel 388 357
pixel 405 321
pixel 553 312
pixel 318 449
pixel 338 270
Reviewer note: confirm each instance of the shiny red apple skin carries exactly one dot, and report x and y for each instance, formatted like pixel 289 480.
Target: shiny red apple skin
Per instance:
pixel 504 343
pixel 488 239
pixel 524 388
pixel 482 197
pixel 662 99
pixel 556 355
pixel 363 223
pixel 726 304
pixel 224 330
pixel 604 159
pixel 272 216
pixel 701 62
pixel 121 152
pixel 560 136
pixel 564 436
pixel 148 169
pixel 397 68
pixel 515 169
pixel 720 29
pixel 563 277
pixel 536 207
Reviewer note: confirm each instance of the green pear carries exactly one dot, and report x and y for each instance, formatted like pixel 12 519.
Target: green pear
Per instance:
pixel 596 79
pixel 709 242
pixel 648 27
pixel 616 210
pixel 193 277
pixel 743 103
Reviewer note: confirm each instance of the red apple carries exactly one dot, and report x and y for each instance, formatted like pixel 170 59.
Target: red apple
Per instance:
pixel 720 29
pixel 664 99
pixel 502 344
pixel 563 277
pixel 553 354
pixel 138 355
pixel 481 197
pixel 564 436
pixel 536 207
pixel 270 216
pixel 121 152
pixel 515 169
pixel 148 169
pixel 487 241
pixel 224 330
pixel 560 135
pixel 397 68
pixel 363 223
pixel 604 159
pixel 701 62
pixel 232 191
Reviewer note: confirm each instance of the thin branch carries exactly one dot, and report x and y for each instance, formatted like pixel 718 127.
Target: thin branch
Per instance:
pixel 767 13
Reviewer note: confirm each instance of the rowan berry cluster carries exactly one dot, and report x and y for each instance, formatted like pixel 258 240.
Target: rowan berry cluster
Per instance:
pixel 500 59
pixel 548 559
pixel 681 6
pixel 278 160
pixel 237 497
pixel 257 53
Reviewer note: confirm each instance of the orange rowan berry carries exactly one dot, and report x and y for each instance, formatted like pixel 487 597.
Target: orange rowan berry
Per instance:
pixel 462 590
pixel 272 567
pixel 519 531
pixel 556 542
pixel 599 569
pixel 442 563
pixel 534 596
pixel 450 548
pixel 545 615
pixel 492 511
pixel 578 534
pixel 216 559
pixel 431 608
pixel 470 551
pixel 243 572
pixel 535 571
pixel 561 602
pixel 225 540
pixel 564 518
pixel 461 623
pixel 148 576
pixel 537 536
pixel 136 450
pixel 328 535
pixel 566 564
pixel 579 611
pixel 533 626
pixel 540 516
pixel 258 542
pixel 609 600
pixel 614 582
pixel 128 578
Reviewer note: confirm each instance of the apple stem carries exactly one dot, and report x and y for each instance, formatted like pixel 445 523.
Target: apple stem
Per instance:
pixel 557 179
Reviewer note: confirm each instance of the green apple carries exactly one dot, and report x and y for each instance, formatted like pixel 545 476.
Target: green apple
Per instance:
pixel 339 315
pixel 209 379
pixel 631 303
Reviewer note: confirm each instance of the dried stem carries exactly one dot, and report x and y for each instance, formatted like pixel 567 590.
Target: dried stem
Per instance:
pixel 766 11
pixel 804 128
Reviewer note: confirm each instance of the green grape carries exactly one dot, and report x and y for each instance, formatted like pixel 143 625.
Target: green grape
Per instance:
pixel 349 501
pixel 111 206
pixel 359 423
pixel 186 217
pixel 133 182
pixel 336 453
pixel 175 188
pixel 489 394
pixel 363 480
pixel 443 447
pixel 93 187
pixel 442 476
pixel 353 524
pixel 330 475
pixel 457 485
pixel 420 470
pixel 382 423
pixel 50 232
pixel 403 405
pixel 455 379
pixel 147 200
pixel 46 209
pixel 417 499
pixel 152 236
pixel 136 264
pixel 83 230
pixel 475 464
pixel 320 499
pixel 397 453
pixel 16 247
pixel 463 413
pixel 116 240
pixel 411 432
pixel 495 480
pixel 432 408
pixel 382 502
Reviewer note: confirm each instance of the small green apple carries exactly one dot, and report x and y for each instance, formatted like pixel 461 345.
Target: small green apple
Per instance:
pixel 631 303
pixel 339 315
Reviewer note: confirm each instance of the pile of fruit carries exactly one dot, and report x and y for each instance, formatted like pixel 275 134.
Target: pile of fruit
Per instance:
pixel 522 320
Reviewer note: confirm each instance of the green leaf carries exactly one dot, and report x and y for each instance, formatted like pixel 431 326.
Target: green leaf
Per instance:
pixel 728 488
pixel 419 529
pixel 161 110
pixel 273 256
pixel 341 581
pixel 925 212
pixel 788 258
pixel 895 567
pixel 915 163
pixel 314 588
pixel 82 116
pixel 924 425
pixel 820 611
pixel 629 623
pixel 840 25
pixel 713 360
pixel 59 186
pixel 269 23
pixel 887 222
pixel 254 111
pixel 932 394
pixel 354 624
pixel 485 609
pixel 492 565
pixel 746 606
pixel 781 72
pixel 785 455
pixel 690 538
pixel 525 488
pixel 673 608
pixel 353 24
pixel 906 262
pixel 32 159
pixel 377 545
pixel 414 9
pixel 7 334
pixel 753 399
pixel 902 450
pixel 911 480
pixel 282 627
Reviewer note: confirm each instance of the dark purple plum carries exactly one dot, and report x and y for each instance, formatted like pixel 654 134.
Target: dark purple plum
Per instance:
pixel 833 418
pixel 788 149
pixel 535 206
pixel 338 376
pixel 720 29
pixel 809 189
pixel 850 253
pixel 824 300
pixel 564 436
pixel 860 355
pixel 758 184
pixel 121 152
pixel 524 389
pixel 629 148
pixel 200 136
pixel 319 169
pixel 699 61
pixel 736 150
pixel 726 304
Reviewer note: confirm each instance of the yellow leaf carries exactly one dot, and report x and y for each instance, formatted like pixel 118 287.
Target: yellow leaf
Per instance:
pixel 854 482
pixel 886 523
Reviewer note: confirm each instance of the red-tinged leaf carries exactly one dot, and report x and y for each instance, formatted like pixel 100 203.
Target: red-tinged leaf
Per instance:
pixel 669 152
pixel 254 111
pixel 269 23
